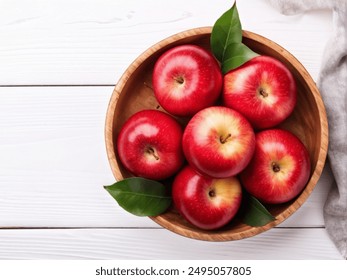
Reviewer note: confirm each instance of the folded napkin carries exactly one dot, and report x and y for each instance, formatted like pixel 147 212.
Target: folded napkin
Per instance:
pixel 332 83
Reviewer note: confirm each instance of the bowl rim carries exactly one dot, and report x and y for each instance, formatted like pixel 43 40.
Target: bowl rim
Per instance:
pixel 250 231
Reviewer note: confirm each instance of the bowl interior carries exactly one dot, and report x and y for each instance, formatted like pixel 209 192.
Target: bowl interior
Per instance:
pixel 134 92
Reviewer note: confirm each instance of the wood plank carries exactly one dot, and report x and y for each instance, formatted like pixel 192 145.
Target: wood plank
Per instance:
pixel 279 244
pixel 53 162
pixel 93 42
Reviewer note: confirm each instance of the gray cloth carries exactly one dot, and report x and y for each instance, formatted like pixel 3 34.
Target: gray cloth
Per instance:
pixel 332 83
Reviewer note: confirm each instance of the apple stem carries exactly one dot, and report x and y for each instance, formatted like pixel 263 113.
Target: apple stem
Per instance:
pixel 224 139
pixel 211 193
pixel 152 152
pixel 179 80
pixel 263 93
pixel 275 167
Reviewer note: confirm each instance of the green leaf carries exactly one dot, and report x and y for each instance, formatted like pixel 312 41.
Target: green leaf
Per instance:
pixel 226 41
pixel 226 30
pixel 140 196
pixel 236 55
pixel 256 214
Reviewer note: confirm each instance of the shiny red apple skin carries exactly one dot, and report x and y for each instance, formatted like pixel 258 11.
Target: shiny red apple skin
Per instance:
pixel 149 145
pixel 263 90
pixel 186 79
pixel 279 169
pixel 218 142
pixel 206 202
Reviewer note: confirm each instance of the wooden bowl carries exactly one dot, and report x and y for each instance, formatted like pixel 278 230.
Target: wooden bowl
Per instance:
pixel 133 93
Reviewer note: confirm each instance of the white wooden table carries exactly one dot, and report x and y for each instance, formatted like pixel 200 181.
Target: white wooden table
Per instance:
pixel 59 62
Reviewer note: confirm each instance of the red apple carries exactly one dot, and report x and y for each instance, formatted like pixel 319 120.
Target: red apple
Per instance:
pixel 218 142
pixel 186 79
pixel 206 202
pixel 279 169
pixel 149 145
pixel 262 89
